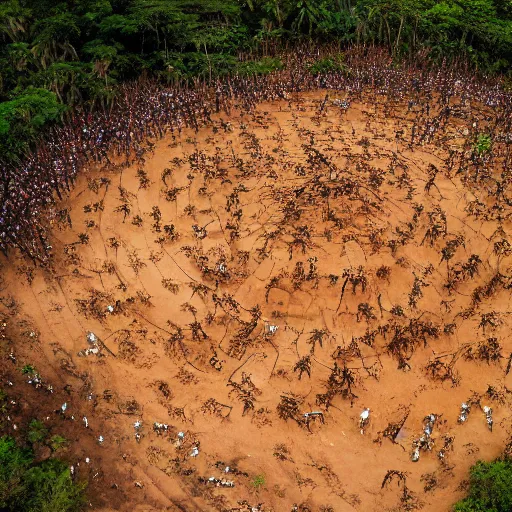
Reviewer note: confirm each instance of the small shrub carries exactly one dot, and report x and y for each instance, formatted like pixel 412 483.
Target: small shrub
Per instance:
pixel 37 432
pixel 28 369
pixel 57 442
pixel 328 65
pixel 258 481
pixel 260 67
pixel 483 143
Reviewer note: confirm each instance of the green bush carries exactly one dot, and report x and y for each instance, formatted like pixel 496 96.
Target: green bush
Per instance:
pixel 37 432
pixel 328 64
pixel 483 143
pixel 22 118
pixel 258 481
pixel 57 442
pixel 29 487
pixel 490 488
pixel 260 67
pixel 28 369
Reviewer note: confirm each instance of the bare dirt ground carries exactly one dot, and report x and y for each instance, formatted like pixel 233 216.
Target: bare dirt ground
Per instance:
pixel 307 217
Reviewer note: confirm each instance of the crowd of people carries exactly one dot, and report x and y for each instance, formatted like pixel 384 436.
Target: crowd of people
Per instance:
pixel 30 190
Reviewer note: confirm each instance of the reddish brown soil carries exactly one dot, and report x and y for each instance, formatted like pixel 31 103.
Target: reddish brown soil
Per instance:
pixel 153 368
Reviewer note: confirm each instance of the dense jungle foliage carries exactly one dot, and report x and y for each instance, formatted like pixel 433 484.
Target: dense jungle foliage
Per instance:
pixel 57 54
pixel 490 488
pixel 30 480
pixel 30 486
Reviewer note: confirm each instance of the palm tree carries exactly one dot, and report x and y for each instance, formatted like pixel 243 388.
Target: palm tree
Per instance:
pixel 13 20
pixel 153 16
pixel 308 12
pixel 52 40
pixel 62 78
pixel 20 56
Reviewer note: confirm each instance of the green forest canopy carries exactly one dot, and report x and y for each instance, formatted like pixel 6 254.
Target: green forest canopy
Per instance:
pixel 64 53
pixel 27 486
pixel 490 488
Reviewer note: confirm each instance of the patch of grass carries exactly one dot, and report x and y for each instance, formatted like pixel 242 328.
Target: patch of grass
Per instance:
pixel 258 481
